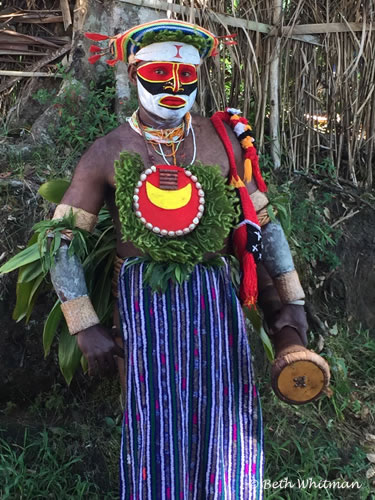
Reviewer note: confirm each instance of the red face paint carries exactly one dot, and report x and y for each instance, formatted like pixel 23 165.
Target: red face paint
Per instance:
pixel 172 75
pixel 167 88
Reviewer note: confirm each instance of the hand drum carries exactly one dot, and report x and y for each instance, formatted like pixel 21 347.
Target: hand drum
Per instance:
pixel 299 375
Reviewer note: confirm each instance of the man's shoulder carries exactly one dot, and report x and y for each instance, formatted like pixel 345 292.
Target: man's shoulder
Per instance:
pixel 200 121
pixel 205 121
pixel 207 128
pixel 112 144
pixel 102 153
pixel 199 118
pixel 117 136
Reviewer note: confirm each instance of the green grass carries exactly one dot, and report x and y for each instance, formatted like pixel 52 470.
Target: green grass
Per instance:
pixel 36 468
pixel 65 445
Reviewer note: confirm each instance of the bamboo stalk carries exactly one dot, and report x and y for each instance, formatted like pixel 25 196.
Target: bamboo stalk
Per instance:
pixel 34 20
pixel 21 74
pixel 65 9
pixel 274 91
pixel 38 65
pixel 312 29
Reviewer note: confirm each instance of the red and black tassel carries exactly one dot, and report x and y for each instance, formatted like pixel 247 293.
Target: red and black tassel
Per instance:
pixel 247 235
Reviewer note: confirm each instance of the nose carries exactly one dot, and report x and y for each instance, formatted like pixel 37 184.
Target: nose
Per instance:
pixel 174 83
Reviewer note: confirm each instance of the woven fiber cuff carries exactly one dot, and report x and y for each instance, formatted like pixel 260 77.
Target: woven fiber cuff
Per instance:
pixel 79 314
pixel 66 234
pixel 289 287
pixel 263 217
pixel 84 220
pixel 259 200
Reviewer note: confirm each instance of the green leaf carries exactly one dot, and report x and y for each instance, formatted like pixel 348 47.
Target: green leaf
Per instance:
pixel 50 327
pixel 26 293
pixel 33 296
pixel 30 272
pixel 54 190
pixel 32 240
pixel 271 213
pixel 256 321
pixel 110 422
pixel 267 344
pixel 36 284
pixel 101 296
pixel 254 317
pixel 84 364
pixel 29 254
pixel 69 354
pixel 96 257
pixel 178 274
pixel 23 292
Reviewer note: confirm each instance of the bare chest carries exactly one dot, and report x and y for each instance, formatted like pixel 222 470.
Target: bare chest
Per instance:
pixel 203 146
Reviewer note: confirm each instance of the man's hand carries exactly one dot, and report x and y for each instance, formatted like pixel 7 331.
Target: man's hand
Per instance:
pixel 99 348
pixel 291 315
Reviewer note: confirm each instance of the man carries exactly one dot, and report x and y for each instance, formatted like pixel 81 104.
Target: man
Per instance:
pixel 192 424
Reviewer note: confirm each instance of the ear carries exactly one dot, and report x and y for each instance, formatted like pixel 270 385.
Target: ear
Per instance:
pixel 132 73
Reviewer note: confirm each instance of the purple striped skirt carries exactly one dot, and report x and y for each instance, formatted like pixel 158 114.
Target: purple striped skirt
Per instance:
pixel 192 426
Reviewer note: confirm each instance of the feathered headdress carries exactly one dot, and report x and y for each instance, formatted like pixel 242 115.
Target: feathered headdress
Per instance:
pixel 124 47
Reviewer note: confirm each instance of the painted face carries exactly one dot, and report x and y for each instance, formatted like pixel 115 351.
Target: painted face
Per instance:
pixel 167 89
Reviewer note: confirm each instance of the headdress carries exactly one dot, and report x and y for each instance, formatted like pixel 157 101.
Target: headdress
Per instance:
pixel 180 40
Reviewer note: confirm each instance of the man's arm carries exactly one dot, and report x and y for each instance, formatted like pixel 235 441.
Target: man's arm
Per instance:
pixel 281 296
pixel 283 281
pixel 85 197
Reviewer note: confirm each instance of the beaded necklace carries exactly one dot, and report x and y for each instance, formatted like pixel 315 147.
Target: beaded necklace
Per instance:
pixel 172 138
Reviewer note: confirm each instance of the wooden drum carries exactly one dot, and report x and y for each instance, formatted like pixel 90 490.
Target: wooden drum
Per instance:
pixel 299 375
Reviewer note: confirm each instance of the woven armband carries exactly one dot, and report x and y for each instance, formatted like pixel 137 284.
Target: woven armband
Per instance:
pixel 79 314
pixel 83 220
pixel 259 199
pixel 289 287
pixel 261 202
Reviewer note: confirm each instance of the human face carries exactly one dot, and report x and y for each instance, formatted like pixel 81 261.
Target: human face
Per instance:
pixel 167 89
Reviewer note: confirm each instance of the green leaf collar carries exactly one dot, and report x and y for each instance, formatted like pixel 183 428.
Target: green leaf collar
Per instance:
pixel 221 213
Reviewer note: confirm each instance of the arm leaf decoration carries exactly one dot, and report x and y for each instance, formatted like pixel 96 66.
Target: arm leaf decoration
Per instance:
pixel 96 251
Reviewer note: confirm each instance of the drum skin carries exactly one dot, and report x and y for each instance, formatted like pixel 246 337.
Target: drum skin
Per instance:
pixel 299 375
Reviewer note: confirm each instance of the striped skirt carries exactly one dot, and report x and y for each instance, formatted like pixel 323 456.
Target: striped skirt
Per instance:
pixel 192 426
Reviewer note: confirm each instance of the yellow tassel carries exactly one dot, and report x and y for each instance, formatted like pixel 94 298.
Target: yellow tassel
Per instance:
pixel 237 183
pixel 248 170
pixel 250 303
pixel 247 142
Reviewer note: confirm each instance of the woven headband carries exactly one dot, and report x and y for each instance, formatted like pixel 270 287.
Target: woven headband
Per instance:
pixel 124 47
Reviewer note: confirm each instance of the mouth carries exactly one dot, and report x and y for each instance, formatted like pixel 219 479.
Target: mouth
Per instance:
pixel 173 102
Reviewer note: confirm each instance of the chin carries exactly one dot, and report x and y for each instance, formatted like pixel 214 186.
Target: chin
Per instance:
pixel 167 117
pixel 172 114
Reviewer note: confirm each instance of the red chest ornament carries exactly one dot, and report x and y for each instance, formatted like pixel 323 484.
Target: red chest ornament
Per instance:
pixel 169 200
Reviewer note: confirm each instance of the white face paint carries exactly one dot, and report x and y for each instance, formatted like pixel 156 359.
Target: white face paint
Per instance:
pixel 172 116
pixel 171 51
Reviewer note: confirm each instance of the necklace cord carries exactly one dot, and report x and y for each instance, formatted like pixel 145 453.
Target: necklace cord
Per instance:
pixel 172 137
